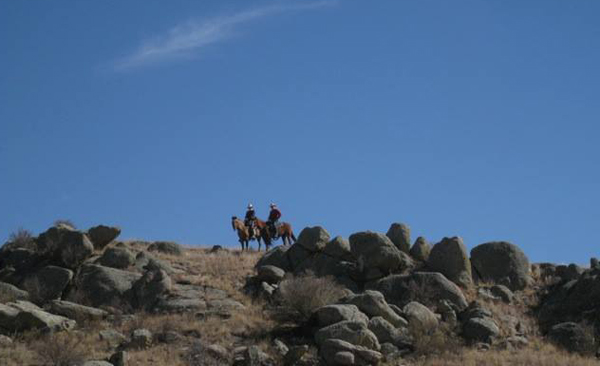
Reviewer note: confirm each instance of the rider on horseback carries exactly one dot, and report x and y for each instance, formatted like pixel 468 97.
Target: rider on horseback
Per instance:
pixel 250 220
pixel 273 220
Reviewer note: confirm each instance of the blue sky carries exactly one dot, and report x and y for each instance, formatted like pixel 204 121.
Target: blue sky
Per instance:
pixel 471 118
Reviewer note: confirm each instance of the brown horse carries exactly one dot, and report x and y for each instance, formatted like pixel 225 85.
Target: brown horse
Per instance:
pixel 284 231
pixel 244 233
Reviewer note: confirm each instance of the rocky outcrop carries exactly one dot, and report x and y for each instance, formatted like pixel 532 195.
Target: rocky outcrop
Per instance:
pixel 572 337
pixel 65 246
pixel 147 262
pixel 166 247
pixel 23 316
pixel 102 235
pixel 373 304
pixel 387 333
pixel 424 287
pixel 9 292
pixel 151 288
pixel 353 332
pixel 339 248
pixel 313 239
pixel 502 263
pixel 399 234
pixel 575 300
pixel 99 285
pixel 297 255
pixel 420 250
pixel 120 258
pixel 478 324
pixel 480 330
pixel 420 316
pixel 275 257
pixel 450 258
pixel 270 274
pixel 331 314
pixel 48 283
pixel 75 311
pixel 376 251
pixel 340 352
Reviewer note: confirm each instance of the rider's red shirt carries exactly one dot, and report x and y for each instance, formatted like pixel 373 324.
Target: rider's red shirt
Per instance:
pixel 274 215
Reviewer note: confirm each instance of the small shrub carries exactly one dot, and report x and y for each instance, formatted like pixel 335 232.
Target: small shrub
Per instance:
pixel 67 223
pixel 62 349
pixel 306 293
pixel 21 239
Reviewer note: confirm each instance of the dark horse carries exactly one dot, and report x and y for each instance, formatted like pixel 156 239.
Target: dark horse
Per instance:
pixel 283 231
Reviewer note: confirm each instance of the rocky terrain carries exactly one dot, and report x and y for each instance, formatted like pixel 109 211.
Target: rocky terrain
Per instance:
pixel 72 297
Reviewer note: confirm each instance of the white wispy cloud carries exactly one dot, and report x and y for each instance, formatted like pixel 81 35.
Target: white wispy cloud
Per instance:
pixel 189 38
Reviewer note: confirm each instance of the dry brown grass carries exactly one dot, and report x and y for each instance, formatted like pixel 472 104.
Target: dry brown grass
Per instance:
pixel 163 354
pixel 225 270
pixel 537 354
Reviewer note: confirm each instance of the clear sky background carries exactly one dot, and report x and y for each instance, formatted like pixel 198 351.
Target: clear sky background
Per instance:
pixel 471 118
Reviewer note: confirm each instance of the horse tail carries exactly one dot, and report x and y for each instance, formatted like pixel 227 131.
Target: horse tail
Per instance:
pixel 293 237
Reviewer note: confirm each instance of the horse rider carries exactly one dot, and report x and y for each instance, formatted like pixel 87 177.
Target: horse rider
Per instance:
pixel 274 217
pixel 250 219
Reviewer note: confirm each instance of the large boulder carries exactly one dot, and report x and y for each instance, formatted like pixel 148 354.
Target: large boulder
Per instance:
pixel 10 292
pixel 41 320
pixel 48 283
pixel 98 285
pixel 339 247
pixel 147 262
pixel 102 235
pixel 575 300
pixel 420 316
pixel 151 288
pixel 275 257
pixel 340 352
pixel 76 311
pixel 313 238
pixel 167 247
pixel 480 329
pixel 376 251
pixel 16 263
pixel 420 249
pixel 296 255
pixel 399 234
pixel 501 262
pixel 116 257
pixel 8 315
pixel 373 304
pixel 450 258
pixel 352 332
pixel 387 333
pixel 270 274
pixel 323 265
pixel 331 314
pixel 22 316
pixel 424 287
pixel 572 337
pixel 65 246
